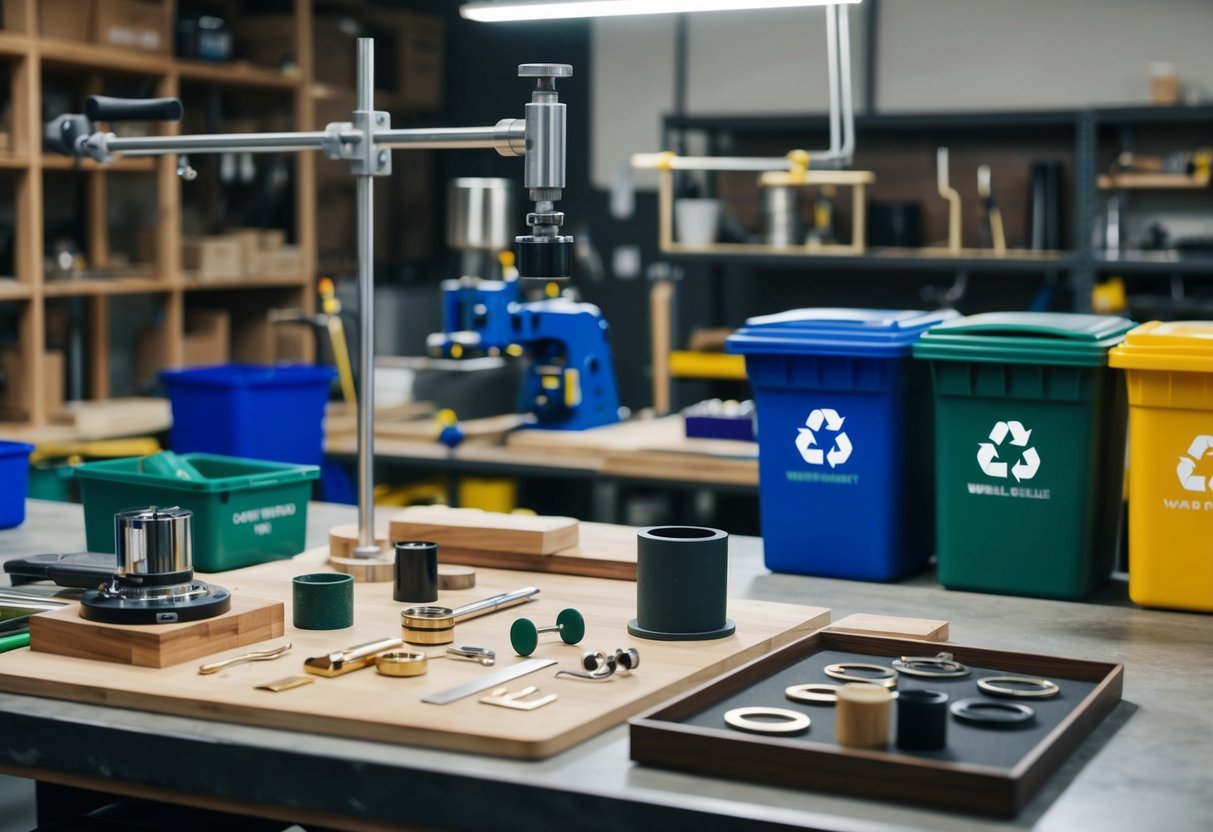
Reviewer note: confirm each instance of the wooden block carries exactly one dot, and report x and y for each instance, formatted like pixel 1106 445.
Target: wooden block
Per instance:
pixel 64 632
pixel 456 577
pixel 463 528
pixel 866 624
pixel 605 551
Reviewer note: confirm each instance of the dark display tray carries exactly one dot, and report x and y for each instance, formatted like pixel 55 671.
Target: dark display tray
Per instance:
pixel 982 771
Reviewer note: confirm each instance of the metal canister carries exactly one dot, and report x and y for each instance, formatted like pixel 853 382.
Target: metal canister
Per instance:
pixel 154 541
pixel 781 216
pixel 479 215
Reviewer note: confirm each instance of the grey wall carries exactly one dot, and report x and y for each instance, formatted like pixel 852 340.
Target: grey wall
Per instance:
pixel 933 55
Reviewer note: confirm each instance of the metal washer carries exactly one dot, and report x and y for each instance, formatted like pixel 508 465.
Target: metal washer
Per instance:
pixel 1042 688
pixel 945 667
pixel 887 677
pixel 982 713
pixel 793 722
pixel 817 693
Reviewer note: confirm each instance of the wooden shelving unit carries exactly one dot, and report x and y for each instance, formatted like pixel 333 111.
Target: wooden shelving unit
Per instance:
pixel 27 54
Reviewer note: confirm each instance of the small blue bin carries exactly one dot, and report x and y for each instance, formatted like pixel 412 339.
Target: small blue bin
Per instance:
pixel 14 482
pixel 845 440
pixel 255 412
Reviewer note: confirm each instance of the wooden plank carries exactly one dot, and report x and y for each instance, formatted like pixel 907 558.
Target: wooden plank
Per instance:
pixel 365 705
pixel 116 417
pixel 605 551
pixel 892 626
pixel 467 528
pixel 64 633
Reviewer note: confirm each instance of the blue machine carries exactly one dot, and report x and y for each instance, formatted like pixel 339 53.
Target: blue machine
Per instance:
pixel 570 382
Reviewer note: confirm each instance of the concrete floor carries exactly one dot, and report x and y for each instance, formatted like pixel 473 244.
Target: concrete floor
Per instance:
pixel 16 804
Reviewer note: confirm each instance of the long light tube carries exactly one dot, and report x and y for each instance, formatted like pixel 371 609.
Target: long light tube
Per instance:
pixel 488 11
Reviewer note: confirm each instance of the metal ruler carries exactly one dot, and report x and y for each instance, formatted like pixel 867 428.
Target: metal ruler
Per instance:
pixel 492 680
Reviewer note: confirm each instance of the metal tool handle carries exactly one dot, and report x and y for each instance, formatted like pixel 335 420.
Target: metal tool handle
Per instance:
pixel 107 108
pixel 257 656
pixel 494 603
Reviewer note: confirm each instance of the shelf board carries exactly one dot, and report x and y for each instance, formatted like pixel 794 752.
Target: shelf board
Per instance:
pixel 85 287
pixel 240 73
pixel 13 289
pixel 103 58
pixel 142 165
pixel 14 45
pixel 876 259
pixel 1151 181
pixel 1164 263
pixel 245 283
pixel 13 162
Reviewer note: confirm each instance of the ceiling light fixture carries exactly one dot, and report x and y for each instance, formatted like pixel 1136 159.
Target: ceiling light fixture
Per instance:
pixel 488 11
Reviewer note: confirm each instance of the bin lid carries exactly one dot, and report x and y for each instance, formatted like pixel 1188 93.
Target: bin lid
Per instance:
pixel 1025 338
pixel 878 333
pixel 251 375
pixel 1172 345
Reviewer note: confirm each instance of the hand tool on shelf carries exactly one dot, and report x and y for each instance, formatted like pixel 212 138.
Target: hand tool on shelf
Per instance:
pixel 992 230
pixel 951 195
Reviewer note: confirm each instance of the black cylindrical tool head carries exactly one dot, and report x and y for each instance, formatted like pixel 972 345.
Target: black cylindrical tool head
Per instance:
pixel 416 571
pixel 545 258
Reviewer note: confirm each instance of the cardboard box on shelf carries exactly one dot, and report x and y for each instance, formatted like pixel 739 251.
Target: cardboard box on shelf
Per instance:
pixel 132 24
pixel 13 404
pixel 66 19
pixel 207 337
pixel 286 261
pixel 212 258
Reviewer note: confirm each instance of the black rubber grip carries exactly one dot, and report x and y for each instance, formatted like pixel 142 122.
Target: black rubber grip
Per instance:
pixel 545 258
pixel 105 108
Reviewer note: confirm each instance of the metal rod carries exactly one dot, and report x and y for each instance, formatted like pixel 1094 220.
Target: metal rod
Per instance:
pixel 367 547
pixel 215 143
pixel 494 603
pixel 848 103
pixel 832 73
pixel 451 138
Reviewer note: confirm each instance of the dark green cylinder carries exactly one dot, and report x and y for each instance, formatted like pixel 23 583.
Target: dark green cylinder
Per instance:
pixel 323 601
pixel 681 583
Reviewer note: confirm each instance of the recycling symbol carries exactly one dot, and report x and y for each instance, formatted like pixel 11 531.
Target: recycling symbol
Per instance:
pixel 810 449
pixel 1187 464
pixel 1029 461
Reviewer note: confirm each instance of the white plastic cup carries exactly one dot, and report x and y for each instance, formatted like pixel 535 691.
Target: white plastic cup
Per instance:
pixel 696 221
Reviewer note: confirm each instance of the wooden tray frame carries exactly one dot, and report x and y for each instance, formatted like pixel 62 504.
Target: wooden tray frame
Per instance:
pixel 659 737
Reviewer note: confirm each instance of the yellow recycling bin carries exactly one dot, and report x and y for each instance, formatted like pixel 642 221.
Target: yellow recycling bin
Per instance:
pixel 1170 381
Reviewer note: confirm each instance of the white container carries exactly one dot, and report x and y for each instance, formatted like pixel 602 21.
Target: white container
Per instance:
pixel 696 221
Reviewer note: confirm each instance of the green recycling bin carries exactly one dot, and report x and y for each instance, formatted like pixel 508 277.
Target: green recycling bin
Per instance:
pixel 1030 451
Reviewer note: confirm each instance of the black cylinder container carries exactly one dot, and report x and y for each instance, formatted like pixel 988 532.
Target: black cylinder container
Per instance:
pixel 922 720
pixel 681 581
pixel 416 571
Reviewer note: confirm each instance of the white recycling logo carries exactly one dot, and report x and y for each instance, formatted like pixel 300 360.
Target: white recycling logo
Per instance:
pixel 1187 464
pixel 987 453
pixel 811 450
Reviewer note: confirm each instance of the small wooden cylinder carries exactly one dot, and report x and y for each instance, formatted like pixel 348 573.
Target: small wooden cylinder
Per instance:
pixel 863 715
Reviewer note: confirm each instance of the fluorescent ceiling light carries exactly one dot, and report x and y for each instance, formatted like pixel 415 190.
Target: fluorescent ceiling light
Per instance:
pixel 488 11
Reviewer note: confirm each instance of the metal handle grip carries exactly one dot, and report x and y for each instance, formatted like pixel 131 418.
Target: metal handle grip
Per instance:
pixel 494 603
pixel 107 108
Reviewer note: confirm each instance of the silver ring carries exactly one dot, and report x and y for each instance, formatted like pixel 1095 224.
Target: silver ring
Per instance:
pixel 940 666
pixel 1041 688
pixel 887 677
pixel 814 694
pixel 791 722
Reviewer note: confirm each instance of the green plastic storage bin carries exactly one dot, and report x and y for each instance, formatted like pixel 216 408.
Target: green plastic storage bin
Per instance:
pixel 1030 450
pixel 245 511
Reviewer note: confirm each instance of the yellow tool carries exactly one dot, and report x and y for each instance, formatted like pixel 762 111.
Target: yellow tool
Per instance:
pixel 341 354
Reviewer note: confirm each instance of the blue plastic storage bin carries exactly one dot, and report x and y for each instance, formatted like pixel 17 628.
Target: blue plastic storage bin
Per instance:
pixel 845 440
pixel 255 412
pixel 14 482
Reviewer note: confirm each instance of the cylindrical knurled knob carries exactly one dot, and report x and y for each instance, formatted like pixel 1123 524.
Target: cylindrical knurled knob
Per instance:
pixel 153 541
pixel 545 71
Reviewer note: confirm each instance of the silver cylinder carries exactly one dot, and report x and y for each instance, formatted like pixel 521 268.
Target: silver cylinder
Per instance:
pixel 479 214
pixel 365 210
pixel 781 216
pixel 545 135
pixel 153 541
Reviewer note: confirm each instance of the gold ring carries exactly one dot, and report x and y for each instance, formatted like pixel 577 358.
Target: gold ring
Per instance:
pixel 1040 688
pixel 402 663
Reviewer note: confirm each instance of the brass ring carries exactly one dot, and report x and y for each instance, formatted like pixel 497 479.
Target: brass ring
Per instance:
pixel 887 677
pixel 790 722
pixel 402 663
pixel 814 694
pixel 1041 688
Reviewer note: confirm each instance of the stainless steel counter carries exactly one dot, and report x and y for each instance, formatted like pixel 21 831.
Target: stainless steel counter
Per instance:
pixel 1147 767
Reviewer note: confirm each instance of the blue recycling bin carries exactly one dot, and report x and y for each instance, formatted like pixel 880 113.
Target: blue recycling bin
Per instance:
pixel 14 482
pixel 273 413
pixel 845 440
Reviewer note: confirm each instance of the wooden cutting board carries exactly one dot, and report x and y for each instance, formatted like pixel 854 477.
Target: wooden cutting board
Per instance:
pixel 466 528
pixel 365 705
